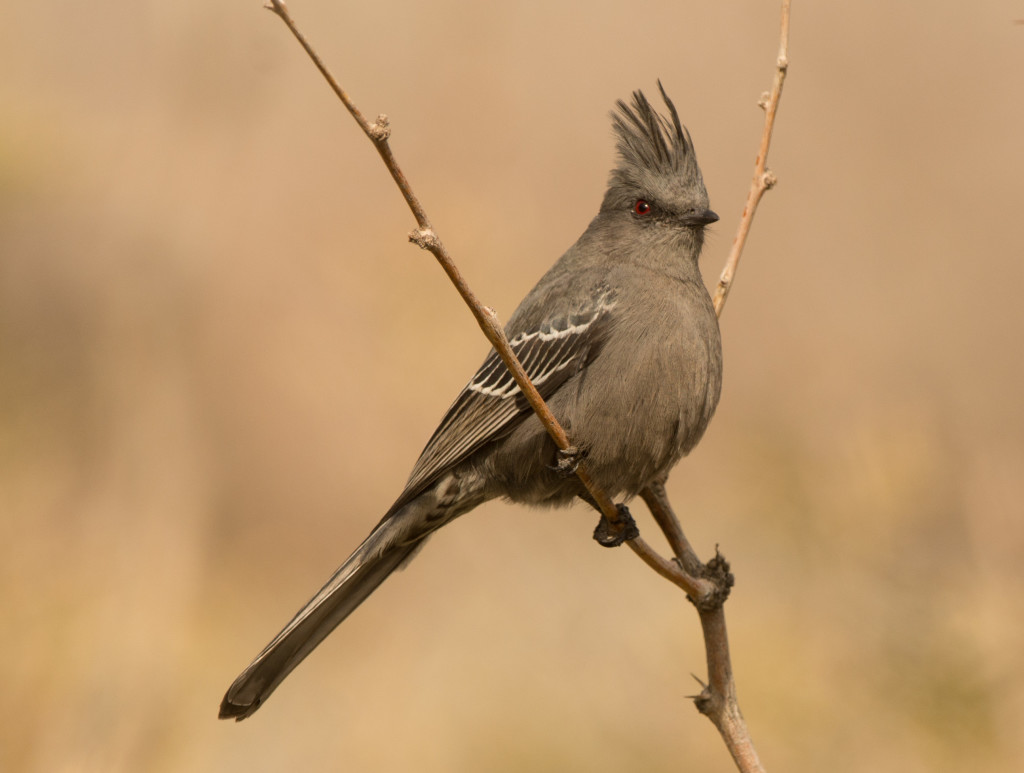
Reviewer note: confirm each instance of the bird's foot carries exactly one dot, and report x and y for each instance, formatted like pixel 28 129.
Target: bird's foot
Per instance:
pixel 568 461
pixel 611 535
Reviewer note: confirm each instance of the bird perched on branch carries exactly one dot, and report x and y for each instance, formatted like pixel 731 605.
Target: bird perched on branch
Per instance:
pixel 619 337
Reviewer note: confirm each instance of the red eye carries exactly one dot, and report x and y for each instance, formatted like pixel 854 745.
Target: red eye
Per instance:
pixel 642 207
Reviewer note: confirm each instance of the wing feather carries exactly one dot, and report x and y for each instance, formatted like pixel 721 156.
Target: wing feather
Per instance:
pixel 492 405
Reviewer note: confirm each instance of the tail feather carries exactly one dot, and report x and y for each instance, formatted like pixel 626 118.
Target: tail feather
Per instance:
pixel 356 579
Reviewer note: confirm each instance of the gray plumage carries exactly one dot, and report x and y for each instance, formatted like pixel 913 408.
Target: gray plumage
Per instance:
pixel 620 338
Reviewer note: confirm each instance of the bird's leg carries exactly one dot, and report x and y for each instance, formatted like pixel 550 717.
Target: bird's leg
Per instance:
pixel 568 460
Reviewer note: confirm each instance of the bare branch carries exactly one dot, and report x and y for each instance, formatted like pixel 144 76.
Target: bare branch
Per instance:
pixel 763 177
pixel 670 570
pixel 720 707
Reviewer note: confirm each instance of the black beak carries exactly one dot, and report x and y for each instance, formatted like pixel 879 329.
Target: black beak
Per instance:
pixel 707 217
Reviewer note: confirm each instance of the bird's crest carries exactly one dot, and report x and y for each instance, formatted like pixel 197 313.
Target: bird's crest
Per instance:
pixel 650 142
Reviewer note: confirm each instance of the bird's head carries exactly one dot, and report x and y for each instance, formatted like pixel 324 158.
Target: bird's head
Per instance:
pixel 657 181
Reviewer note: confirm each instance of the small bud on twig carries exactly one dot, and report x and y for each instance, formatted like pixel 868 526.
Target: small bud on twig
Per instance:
pixel 380 129
pixel 425 239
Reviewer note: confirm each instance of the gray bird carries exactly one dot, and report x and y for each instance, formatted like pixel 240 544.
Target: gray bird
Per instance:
pixel 619 337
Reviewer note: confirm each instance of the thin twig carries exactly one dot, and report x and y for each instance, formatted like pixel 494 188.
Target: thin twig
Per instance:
pixel 657 502
pixel 764 178
pixel 670 570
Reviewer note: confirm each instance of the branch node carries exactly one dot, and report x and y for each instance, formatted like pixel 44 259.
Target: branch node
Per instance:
pixel 705 700
pixel 705 703
pixel 763 101
pixel 380 129
pixel 717 571
pixel 425 239
pixel 768 179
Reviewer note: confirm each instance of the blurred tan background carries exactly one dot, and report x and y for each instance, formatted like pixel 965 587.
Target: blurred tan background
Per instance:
pixel 219 359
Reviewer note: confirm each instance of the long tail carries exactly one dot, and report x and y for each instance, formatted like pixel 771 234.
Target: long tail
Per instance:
pixel 357 578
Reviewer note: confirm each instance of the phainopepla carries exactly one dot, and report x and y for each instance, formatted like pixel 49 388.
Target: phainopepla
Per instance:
pixel 619 337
